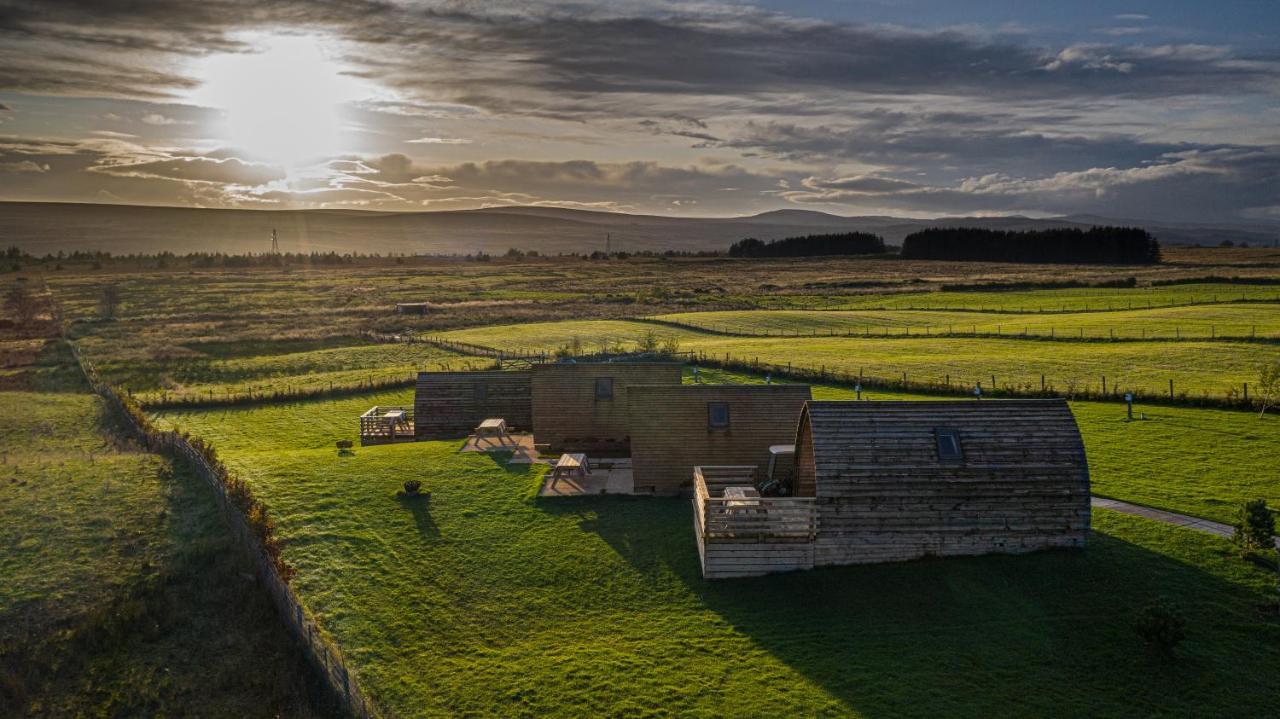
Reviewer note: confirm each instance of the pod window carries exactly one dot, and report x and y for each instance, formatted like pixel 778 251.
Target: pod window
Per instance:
pixel 718 415
pixel 604 388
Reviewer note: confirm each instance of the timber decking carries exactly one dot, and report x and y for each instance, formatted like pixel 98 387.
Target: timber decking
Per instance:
pixel 569 415
pixel 671 432
pixel 884 494
pixel 383 424
pixel 451 404
pixel 749 537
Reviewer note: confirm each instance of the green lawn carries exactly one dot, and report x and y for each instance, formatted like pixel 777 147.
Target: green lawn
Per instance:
pixel 121 592
pixel 1208 368
pixel 485 601
pixel 1200 321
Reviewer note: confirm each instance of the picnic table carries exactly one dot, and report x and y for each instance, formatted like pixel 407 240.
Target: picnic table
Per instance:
pixel 739 500
pixel 493 427
pixel 573 465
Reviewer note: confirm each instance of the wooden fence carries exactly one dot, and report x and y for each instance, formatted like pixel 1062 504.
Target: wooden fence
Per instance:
pixel 747 537
pixel 317 647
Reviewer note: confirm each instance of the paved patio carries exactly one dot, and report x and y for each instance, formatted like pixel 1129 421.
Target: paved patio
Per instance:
pixel 608 476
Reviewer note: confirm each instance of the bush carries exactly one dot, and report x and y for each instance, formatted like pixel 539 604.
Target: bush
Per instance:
pixel 1161 627
pixel 412 487
pixel 1255 526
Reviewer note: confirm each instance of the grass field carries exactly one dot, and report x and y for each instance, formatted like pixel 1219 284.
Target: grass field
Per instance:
pixel 483 600
pixel 121 592
pixel 220 370
pixel 1071 299
pixel 1200 321
pixel 1196 367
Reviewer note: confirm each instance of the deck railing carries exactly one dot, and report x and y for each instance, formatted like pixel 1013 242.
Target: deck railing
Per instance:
pixel 375 425
pixel 765 519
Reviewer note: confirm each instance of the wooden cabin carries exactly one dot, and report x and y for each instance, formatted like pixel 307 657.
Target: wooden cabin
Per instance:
pixel 675 428
pixel 901 480
pixel 451 404
pixel 892 481
pixel 582 407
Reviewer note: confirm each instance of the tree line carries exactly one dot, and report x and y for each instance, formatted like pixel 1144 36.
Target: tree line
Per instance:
pixel 1096 245
pixel 842 243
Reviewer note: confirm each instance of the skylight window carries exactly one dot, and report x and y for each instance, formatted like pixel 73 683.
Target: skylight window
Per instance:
pixel 949 445
pixel 718 415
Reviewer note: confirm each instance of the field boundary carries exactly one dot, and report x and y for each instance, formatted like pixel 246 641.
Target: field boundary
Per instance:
pixel 936 332
pixel 822 374
pixel 1028 310
pixel 323 654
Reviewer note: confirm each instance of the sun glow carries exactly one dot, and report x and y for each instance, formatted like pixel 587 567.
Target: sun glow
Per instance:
pixel 281 103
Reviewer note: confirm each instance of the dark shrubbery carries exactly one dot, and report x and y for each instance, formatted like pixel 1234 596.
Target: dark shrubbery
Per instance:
pixel 1019 286
pixel 844 243
pixel 1097 245
pixel 1255 526
pixel 1161 627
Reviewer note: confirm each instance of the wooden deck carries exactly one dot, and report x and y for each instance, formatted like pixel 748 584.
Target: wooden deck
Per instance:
pixel 386 424
pixel 752 536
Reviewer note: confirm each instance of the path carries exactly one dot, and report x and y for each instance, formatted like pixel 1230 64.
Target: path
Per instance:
pixel 1159 515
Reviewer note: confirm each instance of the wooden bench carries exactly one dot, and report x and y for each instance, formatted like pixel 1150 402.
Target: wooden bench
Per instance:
pixel 570 466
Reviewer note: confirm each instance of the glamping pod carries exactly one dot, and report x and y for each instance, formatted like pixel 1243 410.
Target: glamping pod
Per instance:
pixel 901 480
pixel 675 428
pixel 582 407
pixel 449 404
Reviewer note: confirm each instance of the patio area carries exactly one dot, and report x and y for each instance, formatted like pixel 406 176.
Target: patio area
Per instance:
pixel 606 476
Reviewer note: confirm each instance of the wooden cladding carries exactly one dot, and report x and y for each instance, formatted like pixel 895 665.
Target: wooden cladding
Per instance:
pixel 449 404
pixel 583 407
pixel 900 480
pixel 670 432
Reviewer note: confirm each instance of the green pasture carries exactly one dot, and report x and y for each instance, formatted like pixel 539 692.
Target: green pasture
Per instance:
pixel 1090 299
pixel 483 600
pixel 121 592
pixel 1197 368
pixel 1199 322
pixel 229 369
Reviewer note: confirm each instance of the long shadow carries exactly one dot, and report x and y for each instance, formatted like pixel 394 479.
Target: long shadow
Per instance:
pixel 1045 634
pixel 420 508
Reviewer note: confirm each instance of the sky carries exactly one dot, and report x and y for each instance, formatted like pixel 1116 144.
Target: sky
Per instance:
pixel 1163 110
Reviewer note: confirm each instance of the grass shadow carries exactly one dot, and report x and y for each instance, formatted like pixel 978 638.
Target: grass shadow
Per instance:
pixel 420 507
pixel 1048 633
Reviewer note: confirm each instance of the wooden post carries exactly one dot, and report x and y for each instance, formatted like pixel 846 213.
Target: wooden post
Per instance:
pixel 1104 384
pixel 1246 392
pixel 1041 383
pixel 1171 388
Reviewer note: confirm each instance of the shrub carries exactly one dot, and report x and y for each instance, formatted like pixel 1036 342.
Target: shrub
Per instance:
pixel 1161 627
pixel 412 487
pixel 1255 526
pixel 344 444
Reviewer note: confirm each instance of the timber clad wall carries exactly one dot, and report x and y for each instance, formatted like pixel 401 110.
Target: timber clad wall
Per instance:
pixel 567 414
pixel 453 403
pixel 884 494
pixel 670 433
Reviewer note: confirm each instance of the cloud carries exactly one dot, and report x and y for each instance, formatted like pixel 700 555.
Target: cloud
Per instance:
pixel 155 118
pixel 439 141
pixel 198 169
pixel 23 166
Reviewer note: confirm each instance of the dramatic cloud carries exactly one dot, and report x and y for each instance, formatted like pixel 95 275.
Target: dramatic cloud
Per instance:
pixel 718 107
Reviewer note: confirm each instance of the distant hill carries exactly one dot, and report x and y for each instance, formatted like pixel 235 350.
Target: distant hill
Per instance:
pixel 41 228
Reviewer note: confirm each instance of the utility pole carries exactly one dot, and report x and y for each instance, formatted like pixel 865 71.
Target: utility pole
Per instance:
pixel 608 244
pixel 275 243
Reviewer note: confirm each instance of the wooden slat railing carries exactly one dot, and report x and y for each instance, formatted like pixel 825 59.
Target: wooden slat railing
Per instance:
pixel 757 518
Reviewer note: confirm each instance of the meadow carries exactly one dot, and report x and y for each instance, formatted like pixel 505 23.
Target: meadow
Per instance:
pixel 1197 368
pixel 121 592
pixel 484 600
